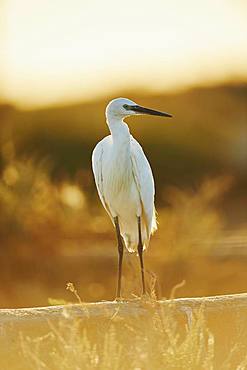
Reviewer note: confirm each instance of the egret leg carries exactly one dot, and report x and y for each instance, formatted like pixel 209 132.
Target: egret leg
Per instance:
pixel 120 256
pixel 140 252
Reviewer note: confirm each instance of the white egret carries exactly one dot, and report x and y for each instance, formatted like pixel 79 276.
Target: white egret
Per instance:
pixel 125 182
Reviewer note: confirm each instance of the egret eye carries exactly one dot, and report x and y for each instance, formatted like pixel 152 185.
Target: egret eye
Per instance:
pixel 126 106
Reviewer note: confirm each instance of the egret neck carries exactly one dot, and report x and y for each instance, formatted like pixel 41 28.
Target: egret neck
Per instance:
pixel 120 166
pixel 119 130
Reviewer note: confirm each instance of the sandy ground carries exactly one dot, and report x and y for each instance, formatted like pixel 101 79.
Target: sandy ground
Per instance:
pixel 226 318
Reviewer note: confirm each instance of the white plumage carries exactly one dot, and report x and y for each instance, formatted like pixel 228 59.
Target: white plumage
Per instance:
pixel 124 181
pixel 123 175
pixel 125 185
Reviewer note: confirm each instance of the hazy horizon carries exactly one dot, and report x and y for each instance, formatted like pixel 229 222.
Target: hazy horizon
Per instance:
pixel 54 54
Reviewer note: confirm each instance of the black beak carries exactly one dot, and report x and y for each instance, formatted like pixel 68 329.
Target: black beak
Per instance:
pixel 152 112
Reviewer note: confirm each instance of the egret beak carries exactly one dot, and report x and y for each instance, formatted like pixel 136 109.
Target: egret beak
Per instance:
pixel 152 112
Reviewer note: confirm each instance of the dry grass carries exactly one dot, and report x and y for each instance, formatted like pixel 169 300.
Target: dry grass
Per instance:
pixel 153 341
pixel 138 334
pixel 193 221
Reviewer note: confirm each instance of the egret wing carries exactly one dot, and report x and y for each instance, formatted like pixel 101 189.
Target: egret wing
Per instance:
pixel 145 183
pixel 97 164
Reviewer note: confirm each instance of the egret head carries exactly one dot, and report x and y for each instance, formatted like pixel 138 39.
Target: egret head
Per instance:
pixel 122 107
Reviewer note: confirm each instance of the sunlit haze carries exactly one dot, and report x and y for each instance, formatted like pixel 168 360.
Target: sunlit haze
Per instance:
pixel 57 51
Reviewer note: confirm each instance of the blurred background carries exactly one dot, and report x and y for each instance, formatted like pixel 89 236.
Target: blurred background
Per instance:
pixel 61 62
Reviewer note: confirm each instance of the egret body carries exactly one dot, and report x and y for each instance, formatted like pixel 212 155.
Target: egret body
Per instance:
pixel 125 182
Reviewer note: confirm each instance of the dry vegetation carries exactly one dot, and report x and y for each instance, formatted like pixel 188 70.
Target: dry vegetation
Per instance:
pixel 137 334
pixel 123 343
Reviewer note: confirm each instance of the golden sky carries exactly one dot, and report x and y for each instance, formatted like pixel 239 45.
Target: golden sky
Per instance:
pixel 65 50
